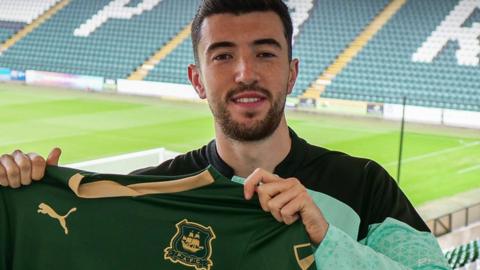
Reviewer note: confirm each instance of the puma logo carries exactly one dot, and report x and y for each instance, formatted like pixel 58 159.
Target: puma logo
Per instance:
pixel 45 209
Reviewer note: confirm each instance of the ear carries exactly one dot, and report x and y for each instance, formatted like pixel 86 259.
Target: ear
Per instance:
pixel 196 80
pixel 293 73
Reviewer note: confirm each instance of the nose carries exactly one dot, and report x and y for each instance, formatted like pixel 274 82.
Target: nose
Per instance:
pixel 246 71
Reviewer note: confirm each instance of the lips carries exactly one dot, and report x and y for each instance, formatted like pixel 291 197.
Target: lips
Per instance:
pixel 248 97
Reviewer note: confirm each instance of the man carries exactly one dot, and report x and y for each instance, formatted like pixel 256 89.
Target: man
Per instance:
pixel 351 208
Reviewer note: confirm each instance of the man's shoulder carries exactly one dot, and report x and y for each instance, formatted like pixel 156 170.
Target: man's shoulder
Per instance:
pixel 351 163
pixel 340 174
pixel 337 160
pixel 308 154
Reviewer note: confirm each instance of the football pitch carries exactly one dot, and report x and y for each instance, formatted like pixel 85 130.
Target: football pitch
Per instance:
pixel 437 161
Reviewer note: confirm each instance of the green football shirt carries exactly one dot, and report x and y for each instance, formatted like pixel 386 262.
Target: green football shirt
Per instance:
pixel 82 220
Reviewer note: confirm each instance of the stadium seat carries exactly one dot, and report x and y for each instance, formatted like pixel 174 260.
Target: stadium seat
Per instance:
pixel 112 50
pixel 387 65
pixel 465 256
pixel 388 68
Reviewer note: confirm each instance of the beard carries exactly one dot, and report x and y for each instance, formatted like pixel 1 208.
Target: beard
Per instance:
pixel 258 130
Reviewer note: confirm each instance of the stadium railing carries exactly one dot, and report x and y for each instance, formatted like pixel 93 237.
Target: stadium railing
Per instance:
pixel 448 214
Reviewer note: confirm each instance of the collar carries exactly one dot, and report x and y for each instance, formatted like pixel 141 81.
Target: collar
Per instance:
pixel 295 157
pixel 216 161
pixel 285 168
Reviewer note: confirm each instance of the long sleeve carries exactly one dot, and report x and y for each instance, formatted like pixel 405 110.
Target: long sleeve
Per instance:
pixel 389 245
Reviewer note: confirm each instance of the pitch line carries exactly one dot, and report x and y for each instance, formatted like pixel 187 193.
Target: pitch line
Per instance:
pixel 436 153
pixel 466 170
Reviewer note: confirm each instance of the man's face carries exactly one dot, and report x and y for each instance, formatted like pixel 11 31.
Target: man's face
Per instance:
pixel 244 72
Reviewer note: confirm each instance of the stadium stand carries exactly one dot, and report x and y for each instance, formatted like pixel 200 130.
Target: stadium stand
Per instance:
pixel 389 68
pixel 465 256
pixel 7 29
pixel 431 58
pixel 332 25
pixel 173 68
pixel 72 41
pixel 14 16
pixel 23 11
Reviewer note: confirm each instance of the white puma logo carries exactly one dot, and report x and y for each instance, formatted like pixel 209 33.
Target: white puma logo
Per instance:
pixel 45 209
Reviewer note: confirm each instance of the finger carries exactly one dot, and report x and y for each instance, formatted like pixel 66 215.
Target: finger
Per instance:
pixel 312 218
pixel 277 216
pixel 290 219
pixel 25 167
pixel 3 176
pixel 54 156
pixel 267 191
pixel 12 171
pixel 253 180
pixel 288 192
pixel 265 198
pixel 272 189
pixel 251 183
pixel 38 166
pixel 291 211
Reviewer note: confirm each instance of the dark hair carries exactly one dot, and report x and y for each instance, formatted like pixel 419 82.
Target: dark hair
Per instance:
pixel 238 7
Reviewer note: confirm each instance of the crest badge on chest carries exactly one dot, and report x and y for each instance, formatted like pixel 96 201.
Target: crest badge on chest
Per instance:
pixel 191 245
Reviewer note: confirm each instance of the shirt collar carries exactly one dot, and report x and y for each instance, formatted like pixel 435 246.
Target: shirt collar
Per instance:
pixel 295 157
pixel 285 168
pixel 216 161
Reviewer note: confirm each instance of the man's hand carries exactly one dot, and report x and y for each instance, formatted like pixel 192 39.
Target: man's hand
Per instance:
pixel 19 169
pixel 287 200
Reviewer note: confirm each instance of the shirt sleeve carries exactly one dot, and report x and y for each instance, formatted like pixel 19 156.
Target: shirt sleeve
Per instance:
pixel 389 245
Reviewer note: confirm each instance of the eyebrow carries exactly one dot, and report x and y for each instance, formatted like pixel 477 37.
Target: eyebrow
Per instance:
pixel 221 44
pixel 258 42
pixel 267 41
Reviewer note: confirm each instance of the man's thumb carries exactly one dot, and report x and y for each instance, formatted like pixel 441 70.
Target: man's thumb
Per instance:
pixel 54 156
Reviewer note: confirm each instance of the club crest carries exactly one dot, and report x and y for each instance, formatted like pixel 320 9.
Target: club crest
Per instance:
pixel 191 245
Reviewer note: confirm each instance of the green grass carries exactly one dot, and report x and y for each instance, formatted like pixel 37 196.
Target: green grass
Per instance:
pixel 437 161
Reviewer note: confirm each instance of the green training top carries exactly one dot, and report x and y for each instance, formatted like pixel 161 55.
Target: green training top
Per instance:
pixel 81 220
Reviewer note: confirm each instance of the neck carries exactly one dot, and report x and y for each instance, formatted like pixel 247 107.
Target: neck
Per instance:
pixel 245 157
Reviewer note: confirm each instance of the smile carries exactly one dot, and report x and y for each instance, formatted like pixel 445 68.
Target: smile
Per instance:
pixel 247 100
